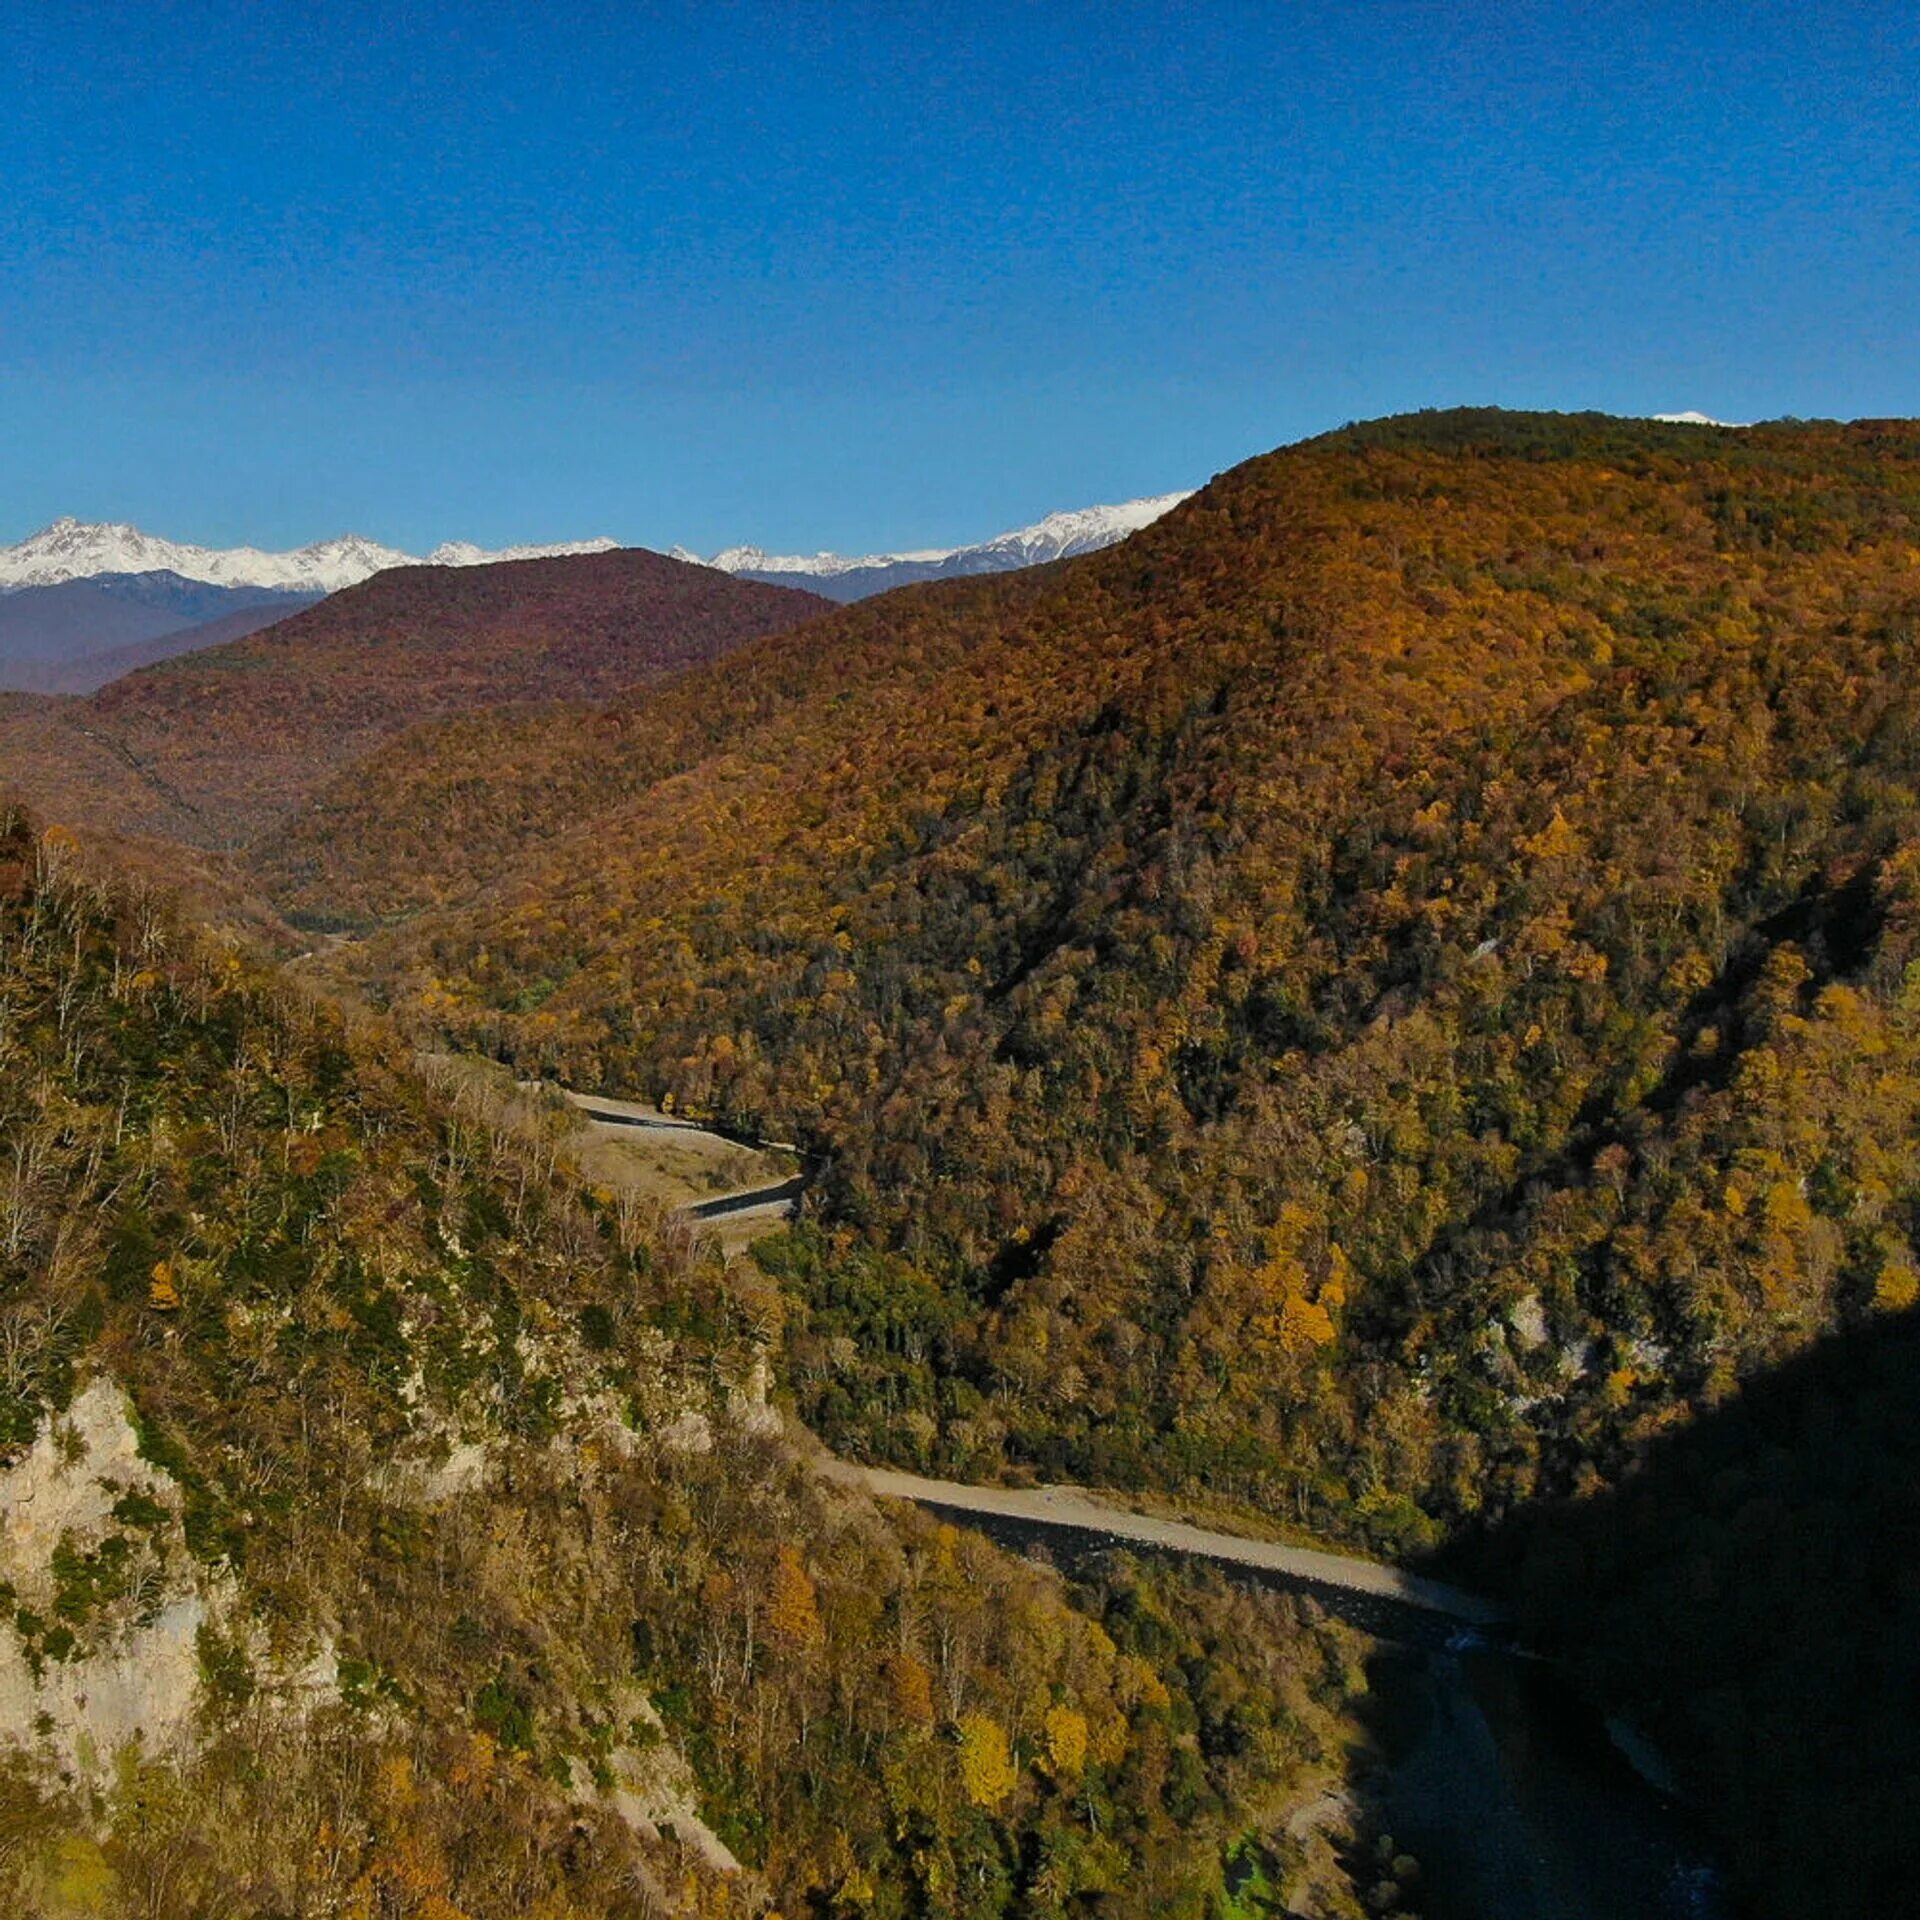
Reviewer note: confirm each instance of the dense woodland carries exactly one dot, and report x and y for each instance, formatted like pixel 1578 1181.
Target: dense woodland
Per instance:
pixel 1388 1000
pixel 1373 996
pixel 318 1280
pixel 370 847
pixel 1383 998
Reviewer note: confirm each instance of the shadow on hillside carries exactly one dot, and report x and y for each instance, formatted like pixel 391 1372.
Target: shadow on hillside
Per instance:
pixel 1750 1600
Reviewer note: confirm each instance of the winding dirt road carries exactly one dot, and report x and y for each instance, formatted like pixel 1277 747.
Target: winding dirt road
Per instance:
pixel 1073 1510
pixel 1068 1509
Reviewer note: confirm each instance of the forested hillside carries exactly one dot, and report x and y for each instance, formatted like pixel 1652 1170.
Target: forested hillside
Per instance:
pixel 1388 1000
pixel 412 1513
pixel 215 747
pixel 1373 996
pixel 432 817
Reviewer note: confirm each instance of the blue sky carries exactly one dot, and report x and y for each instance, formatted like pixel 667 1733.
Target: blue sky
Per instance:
pixel 870 276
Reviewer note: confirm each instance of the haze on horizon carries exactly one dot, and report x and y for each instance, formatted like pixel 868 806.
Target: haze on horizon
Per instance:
pixel 872 278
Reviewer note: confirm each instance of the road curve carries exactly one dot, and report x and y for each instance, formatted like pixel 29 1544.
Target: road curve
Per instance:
pixel 775 1202
pixel 611 1112
pixel 1072 1510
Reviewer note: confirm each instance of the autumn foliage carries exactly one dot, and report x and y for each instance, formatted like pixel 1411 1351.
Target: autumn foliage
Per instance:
pixel 1372 996
pixel 214 747
pixel 642 1619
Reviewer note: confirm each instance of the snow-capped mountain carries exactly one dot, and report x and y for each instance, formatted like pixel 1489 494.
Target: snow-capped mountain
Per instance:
pixel 84 550
pixel 848 577
pixel 1693 419
pixel 463 553
pixel 83 601
pixel 814 566
pixel 72 550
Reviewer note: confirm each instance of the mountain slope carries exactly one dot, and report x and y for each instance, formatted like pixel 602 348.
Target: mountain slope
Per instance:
pixel 394 1529
pixel 433 816
pixel 1347 997
pixel 215 746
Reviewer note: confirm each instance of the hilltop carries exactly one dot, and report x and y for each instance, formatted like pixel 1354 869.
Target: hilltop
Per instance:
pixel 1386 999
pixel 213 747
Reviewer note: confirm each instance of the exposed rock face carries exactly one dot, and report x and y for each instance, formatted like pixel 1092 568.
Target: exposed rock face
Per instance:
pixel 101 1642
pixel 69 1481
pixel 80 1713
pixel 653 1786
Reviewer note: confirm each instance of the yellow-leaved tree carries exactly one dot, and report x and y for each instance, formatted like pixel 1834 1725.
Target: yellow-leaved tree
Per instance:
pixel 793 1606
pixel 987 1770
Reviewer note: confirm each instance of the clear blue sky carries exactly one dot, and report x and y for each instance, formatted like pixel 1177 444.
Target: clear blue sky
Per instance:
pixel 867 276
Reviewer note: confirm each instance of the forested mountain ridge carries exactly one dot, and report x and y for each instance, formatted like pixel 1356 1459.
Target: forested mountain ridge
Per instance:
pixel 1356 997
pixel 1388 998
pixel 216 747
pixel 393 1529
pixel 435 815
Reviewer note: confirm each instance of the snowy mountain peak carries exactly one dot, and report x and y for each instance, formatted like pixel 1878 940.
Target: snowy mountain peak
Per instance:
pixel 825 565
pixel 1058 536
pixel 73 549
pixel 1693 419
pixel 463 553
pixel 1082 529
pixel 79 550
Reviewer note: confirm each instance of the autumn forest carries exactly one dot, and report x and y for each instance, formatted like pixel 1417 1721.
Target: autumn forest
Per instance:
pixel 1382 1010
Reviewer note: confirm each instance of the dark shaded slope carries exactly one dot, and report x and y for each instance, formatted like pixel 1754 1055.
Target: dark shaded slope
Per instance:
pixel 1747 1597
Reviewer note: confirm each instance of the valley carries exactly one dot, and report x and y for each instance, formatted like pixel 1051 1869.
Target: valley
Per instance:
pixel 959 962
pixel 1369 1020
pixel 1561 1825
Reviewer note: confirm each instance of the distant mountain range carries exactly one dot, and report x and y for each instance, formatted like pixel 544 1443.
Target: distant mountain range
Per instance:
pixel 213 747
pixel 841 577
pixel 82 602
pixel 83 550
pixel 71 550
pixel 78 634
